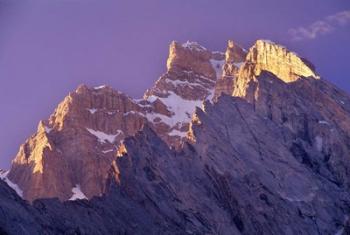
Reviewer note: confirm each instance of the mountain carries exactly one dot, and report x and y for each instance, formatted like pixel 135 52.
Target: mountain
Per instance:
pixel 76 145
pixel 242 142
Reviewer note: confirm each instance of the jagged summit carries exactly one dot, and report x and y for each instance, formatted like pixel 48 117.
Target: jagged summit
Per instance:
pixel 77 144
pixel 235 142
pixel 234 53
pixel 190 57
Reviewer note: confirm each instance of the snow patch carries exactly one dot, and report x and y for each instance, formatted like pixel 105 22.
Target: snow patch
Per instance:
pixel 3 176
pixel 108 151
pixel 48 129
pixel 193 46
pixel 186 83
pixel 77 193
pixel 181 108
pixel 210 97
pixel 104 137
pixel 218 52
pixel 178 82
pixel 152 98
pixel 177 133
pixel 206 79
pixel 100 87
pixel 92 111
pixel 218 67
pixel 267 41
pixel 132 112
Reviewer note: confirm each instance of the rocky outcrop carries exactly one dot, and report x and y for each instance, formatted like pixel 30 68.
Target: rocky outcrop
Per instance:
pixel 286 65
pixel 192 71
pixel 234 58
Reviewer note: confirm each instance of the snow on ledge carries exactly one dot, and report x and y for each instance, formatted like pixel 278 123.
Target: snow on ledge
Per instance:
pixel 100 87
pixel 152 98
pixel 175 132
pixel 104 137
pixel 267 41
pixel 107 151
pixel 193 46
pixel 218 67
pixel 48 129
pixel 3 176
pixel 92 111
pixel 77 194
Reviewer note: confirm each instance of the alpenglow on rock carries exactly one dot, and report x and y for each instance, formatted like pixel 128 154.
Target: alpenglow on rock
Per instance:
pixel 77 144
pixel 237 142
pixel 286 65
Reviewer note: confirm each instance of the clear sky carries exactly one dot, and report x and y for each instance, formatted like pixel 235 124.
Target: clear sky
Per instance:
pixel 48 48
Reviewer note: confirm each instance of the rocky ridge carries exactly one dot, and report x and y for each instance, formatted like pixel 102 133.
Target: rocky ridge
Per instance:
pixel 90 123
pixel 267 149
pixel 220 184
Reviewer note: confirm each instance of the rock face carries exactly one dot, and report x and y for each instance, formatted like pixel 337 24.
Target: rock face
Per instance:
pixel 314 111
pixel 266 153
pixel 192 71
pixel 286 65
pixel 234 58
pixel 221 184
pixel 76 145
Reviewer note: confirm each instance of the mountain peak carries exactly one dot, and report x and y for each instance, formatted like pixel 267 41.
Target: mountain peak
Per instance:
pixel 272 57
pixel 269 142
pixel 234 52
pixel 190 56
pixel 91 122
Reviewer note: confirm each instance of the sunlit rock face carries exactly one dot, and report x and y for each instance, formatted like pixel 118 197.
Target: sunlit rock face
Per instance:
pixel 285 88
pixel 76 145
pixel 234 58
pixel 286 65
pixel 273 58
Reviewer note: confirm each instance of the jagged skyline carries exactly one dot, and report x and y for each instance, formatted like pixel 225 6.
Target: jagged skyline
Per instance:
pixel 47 50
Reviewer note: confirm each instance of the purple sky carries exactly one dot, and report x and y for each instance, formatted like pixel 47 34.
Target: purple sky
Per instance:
pixel 48 48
